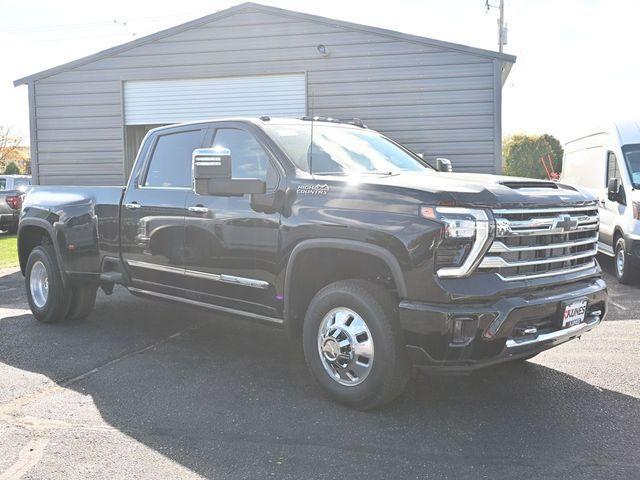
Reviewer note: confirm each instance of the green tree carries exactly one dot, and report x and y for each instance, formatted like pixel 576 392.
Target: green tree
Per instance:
pixel 557 151
pixel 522 154
pixel 11 169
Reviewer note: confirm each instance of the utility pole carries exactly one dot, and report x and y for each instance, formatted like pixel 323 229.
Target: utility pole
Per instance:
pixel 502 30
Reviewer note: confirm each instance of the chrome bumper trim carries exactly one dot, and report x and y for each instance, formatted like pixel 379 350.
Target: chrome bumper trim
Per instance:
pixel 564 334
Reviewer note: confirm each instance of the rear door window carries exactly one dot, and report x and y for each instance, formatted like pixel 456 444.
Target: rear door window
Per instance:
pixel 170 164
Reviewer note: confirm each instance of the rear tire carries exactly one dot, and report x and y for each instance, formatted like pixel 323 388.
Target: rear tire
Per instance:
pixel 622 263
pixel 48 298
pixel 83 299
pixel 353 344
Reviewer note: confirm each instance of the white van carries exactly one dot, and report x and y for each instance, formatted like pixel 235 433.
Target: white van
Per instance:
pixel 607 162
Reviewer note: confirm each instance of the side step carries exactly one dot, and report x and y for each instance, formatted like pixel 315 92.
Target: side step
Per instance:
pixel 606 249
pixel 109 279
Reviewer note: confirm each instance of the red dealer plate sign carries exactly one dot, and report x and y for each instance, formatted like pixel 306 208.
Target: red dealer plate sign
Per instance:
pixel 574 313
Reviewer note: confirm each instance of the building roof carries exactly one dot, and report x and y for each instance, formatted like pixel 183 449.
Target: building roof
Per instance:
pixel 507 60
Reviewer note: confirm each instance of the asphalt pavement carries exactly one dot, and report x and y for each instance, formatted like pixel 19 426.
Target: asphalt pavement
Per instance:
pixel 152 390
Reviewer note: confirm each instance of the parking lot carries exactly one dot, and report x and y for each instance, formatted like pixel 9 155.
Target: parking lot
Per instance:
pixel 151 390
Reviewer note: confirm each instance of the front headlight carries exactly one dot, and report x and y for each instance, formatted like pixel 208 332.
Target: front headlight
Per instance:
pixel 467 233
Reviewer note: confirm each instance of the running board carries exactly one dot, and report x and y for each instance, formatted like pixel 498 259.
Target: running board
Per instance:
pixel 606 249
pixel 209 306
pixel 111 277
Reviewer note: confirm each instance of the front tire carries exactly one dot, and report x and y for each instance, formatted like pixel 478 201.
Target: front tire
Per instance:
pixel 353 344
pixel 48 299
pixel 622 263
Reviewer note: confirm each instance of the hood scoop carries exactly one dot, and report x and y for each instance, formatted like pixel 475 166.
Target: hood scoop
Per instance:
pixel 522 185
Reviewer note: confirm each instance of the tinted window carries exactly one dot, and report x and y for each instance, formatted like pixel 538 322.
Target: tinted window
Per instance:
pixel 171 161
pixel 612 168
pixel 632 156
pixel 3 183
pixel 342 149
pixel 248 158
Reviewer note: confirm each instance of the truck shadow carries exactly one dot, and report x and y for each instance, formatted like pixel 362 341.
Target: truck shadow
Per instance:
pixel 228 398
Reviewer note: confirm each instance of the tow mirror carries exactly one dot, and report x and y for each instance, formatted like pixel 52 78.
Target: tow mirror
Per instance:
pixel 615 192
pixel 443 165
pixel 212 173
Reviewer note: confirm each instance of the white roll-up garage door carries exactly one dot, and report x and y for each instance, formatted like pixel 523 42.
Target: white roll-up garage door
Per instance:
pixel 150 102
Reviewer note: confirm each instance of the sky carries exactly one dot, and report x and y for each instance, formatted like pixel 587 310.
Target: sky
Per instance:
pixel 578 64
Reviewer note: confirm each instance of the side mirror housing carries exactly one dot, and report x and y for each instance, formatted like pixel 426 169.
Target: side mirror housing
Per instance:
pixel 615 192
pixel 212 175
pixel 443 165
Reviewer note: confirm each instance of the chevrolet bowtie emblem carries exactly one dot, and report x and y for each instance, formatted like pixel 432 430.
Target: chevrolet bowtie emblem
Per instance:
pixel 565 222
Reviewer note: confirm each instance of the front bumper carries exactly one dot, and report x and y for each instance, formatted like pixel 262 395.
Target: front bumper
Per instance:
pixel 498 331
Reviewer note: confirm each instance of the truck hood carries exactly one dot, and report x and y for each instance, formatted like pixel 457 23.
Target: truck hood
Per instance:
pixel 484 190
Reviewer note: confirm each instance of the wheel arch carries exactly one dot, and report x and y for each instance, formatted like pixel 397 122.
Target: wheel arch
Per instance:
pixel 378 254
pixel 31 233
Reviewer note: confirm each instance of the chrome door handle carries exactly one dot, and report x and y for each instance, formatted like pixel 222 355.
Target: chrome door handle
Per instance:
pixel 198 209
pixel 132 205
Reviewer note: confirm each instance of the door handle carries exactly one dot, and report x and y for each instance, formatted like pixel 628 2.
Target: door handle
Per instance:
pixel 132 205
pixel 198 209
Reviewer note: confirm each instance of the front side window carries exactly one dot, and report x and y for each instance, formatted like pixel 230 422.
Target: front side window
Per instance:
pixel 612 168
pixel 170 165
pixel 337 149
pixel 248 158
pixel 632 159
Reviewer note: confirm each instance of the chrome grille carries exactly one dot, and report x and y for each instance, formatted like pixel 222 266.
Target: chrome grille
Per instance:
pixel 534 243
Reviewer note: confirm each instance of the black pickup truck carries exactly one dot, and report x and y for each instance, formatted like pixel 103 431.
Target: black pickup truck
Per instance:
pixel 354 245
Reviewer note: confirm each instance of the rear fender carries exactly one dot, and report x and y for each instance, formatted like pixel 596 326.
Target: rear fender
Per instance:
pixel 42 224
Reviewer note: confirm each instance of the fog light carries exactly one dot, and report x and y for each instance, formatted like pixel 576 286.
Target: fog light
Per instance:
pixel 464 329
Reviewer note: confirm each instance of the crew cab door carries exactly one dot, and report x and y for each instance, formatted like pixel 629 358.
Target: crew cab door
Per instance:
pixel 153 210
pixel 230 248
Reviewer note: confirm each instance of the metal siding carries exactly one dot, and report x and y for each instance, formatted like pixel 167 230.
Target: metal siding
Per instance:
pixel 172 101
pixel 437 100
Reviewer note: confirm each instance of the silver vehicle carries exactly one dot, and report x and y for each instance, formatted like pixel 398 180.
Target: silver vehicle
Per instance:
pixel 607 162
pixel 12 189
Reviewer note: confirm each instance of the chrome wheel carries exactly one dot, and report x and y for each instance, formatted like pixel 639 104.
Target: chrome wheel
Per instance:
pixel 39 284
pixel 345 346
pixel 620 261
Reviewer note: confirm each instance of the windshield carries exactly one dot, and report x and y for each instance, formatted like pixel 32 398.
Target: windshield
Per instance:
pixel 343 150
pixel 632 158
